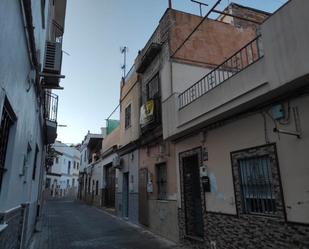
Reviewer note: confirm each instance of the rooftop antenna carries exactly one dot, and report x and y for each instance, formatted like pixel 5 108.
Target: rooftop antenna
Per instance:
pixel 124 51
pixel 170 4
pixel 200 4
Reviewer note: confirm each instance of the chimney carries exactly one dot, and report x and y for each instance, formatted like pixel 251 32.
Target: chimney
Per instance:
pixel 169 4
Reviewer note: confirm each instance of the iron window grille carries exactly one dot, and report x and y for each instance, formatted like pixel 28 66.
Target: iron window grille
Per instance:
pixel 257 185
pixel 128 116
pixel 35 162
pixel 7 120
pixel 162 181
pixel 153 88
pixel 257 182
pixel 69 167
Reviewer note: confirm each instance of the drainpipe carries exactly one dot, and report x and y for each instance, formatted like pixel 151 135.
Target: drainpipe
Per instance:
pixel 26 13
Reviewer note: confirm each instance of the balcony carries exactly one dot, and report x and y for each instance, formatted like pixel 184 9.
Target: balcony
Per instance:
pixel 272 66
pixel 51 109
pixel 243 58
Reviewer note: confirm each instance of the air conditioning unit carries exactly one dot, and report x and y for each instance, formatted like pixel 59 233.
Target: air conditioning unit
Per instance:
pixel 53 57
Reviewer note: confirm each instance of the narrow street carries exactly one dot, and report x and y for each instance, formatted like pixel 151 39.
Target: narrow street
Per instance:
pixel 71 224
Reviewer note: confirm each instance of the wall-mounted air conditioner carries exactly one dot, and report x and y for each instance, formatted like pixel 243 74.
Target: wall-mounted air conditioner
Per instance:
pixel 52 65
pixel 53 57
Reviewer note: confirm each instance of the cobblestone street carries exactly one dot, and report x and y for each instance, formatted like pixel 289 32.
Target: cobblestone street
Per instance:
pixel 70 224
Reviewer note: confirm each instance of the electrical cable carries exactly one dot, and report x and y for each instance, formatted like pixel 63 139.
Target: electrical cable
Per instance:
pixel 196 28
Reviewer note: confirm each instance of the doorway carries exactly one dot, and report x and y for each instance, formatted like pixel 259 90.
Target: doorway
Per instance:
pixel 125 195
pixel 192 195
pixel 110 187
pixel 143 197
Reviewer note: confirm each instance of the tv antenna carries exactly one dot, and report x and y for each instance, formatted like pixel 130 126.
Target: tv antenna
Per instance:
pixel 200 4
pixel 124 51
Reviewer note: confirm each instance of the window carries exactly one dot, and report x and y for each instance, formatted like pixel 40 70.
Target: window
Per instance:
pixel 35 162
pixel 257 181
pixel 7 120
pixel 85 155
pixel 57 160
pixel 43 13
pixel 47 183
pixel 77 165
pixel 128 116
pixel 68 183
pixel 73 182
pixel 153 88
pixel 74 164
pixel 161 181
pixel 96 187
pixel 89 182
pixel 69 167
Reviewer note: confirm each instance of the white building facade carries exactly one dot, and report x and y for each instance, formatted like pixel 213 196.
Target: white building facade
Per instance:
pixel 28 110
pixel 62 177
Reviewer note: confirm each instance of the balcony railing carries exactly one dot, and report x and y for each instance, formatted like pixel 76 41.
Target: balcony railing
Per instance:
pixel 51 106
pixel 247 55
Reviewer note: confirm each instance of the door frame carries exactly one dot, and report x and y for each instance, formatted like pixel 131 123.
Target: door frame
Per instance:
pixel 195 151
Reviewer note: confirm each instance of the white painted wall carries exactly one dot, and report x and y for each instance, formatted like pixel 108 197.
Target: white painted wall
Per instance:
pixel 17 85
pixel 61 167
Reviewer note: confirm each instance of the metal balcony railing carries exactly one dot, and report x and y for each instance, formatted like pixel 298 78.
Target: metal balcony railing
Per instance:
pixel 51 106
pixel 244 57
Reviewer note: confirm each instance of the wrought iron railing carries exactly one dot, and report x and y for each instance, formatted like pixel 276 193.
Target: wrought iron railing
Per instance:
pixel 244 57
pixel 51 106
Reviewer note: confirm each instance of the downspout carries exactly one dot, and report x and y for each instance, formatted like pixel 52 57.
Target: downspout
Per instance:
pixel 26 12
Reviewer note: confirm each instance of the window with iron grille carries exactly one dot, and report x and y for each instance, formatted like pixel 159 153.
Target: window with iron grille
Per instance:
pixel 7 120
pixel 153 88
pixel 256 185
pixel 128 116
pixel 162 181
pixel 35 162
pixel 257 181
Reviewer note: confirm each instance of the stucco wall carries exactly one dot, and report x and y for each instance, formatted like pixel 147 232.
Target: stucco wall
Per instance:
pixel 249 132
pixel 129 164
pixel 130 95
pixel 111 140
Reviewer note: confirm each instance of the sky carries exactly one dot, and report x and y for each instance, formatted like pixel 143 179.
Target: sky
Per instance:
pixel 95 30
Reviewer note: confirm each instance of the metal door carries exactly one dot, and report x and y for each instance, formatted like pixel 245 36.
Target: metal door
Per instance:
pixel 192 196
pixel 125 195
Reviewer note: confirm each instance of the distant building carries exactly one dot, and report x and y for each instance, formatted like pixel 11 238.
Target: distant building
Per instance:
pixel 90 150
pixel 62 177
pixel 30 68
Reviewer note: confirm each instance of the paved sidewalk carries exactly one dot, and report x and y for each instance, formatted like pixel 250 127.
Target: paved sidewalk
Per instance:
pixel 73 225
